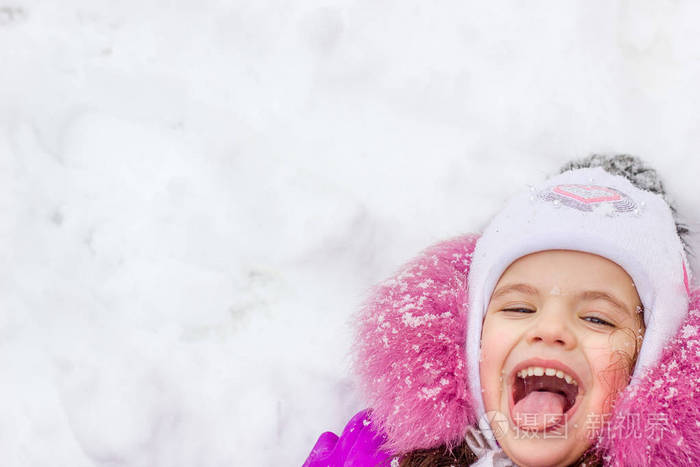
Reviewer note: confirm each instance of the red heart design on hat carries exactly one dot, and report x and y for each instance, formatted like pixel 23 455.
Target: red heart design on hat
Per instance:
pixel 587 194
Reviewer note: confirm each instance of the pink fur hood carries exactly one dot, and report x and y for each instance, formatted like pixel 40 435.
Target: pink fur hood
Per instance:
pixel 409 356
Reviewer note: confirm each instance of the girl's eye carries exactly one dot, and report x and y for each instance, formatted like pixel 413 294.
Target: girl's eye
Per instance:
pixel 596 320
pixel 520 310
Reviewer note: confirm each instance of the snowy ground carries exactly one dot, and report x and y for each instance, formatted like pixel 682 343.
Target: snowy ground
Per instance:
pixel 195 196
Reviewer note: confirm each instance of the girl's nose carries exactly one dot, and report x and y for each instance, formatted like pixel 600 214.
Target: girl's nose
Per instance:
pixel 552 330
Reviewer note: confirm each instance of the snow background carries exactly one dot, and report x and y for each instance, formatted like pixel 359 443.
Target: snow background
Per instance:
pixel 196 196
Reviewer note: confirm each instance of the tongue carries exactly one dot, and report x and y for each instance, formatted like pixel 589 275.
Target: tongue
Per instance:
pixel 539 410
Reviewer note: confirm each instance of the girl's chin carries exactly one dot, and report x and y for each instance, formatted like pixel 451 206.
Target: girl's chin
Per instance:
pixel 543 449
pixel 551 447
pixel 536 456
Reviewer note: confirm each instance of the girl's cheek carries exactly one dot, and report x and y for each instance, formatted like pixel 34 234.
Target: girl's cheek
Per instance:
pixel 493 343
pixel 613 370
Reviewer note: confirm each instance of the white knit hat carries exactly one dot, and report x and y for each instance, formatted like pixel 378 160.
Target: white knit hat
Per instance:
pixel 593 211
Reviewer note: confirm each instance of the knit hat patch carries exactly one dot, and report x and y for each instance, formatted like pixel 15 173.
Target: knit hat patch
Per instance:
pixel 590 198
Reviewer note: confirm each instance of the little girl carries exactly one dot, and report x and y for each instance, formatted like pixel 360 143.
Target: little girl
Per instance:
pixel 565 334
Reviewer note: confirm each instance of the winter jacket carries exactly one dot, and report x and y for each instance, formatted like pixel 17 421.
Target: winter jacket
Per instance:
pixel 409 356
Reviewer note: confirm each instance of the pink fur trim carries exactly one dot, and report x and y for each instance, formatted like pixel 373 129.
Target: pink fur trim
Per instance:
pixel 409 353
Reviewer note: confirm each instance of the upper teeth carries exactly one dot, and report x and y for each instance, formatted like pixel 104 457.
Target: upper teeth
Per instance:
pixel 539 371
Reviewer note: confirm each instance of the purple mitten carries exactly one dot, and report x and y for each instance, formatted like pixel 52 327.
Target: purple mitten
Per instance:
pixel 358 445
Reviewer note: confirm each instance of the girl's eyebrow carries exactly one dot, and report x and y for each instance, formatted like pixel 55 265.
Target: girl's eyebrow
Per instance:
pixel 600 295
pixel 588 295
pixel 520 287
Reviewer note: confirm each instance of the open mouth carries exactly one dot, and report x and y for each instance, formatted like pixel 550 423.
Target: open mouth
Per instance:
pixel 543 398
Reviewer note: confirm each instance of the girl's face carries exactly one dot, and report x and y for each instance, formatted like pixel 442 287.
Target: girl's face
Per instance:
pixel 572 318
